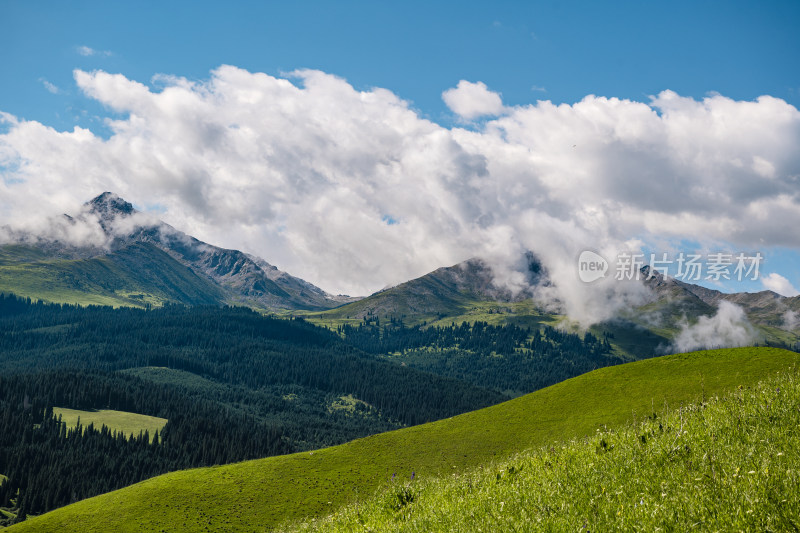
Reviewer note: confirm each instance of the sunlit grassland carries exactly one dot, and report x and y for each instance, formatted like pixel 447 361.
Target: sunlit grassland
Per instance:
pixel 258 495
pixel 524 314
pixel 139 275
pixel 731 463
pixel 120 421
pixel 72 282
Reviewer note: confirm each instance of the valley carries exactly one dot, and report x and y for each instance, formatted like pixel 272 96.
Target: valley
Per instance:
pixel 260 494
pixel 182 359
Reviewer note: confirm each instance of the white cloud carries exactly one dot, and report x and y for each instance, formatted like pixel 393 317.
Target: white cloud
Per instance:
pixel 728 328
pixel 790 320
pixel 88 52
pixel 51 88
pixel 472 100
pixel 307 173
pixel 777 283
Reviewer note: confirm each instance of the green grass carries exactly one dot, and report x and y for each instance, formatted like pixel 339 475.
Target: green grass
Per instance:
pixel 523 314
pixel 255 495
pixel 119 421
pixel 52 281
pixel 730 464
pixel 30 272
pixel 135 276
pixel 630 340
pixel 6 516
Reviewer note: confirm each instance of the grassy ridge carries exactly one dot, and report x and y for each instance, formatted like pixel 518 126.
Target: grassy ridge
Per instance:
pixel 255 495
pixel 731 464
pixel 137 275
pixel 59 281
pixel 119 421
pixel 465 309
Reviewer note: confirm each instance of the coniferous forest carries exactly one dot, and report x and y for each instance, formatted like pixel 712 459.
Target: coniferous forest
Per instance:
pixel 235 385
pixel 509 359
pixel 232 384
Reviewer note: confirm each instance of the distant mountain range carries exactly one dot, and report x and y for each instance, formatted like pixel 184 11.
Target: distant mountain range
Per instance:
pixel 464 292
pixel 148 262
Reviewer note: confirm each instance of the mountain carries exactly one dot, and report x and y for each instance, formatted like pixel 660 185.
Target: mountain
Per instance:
pixel 145 261
pixel 676 301
pixel 465 292
pixel 446 292
pixel 261 495
pixel 766 307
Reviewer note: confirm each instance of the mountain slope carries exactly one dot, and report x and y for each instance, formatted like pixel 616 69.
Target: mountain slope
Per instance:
pixel 147 262
pixel 676 303
pixel 135 274
pixel 255 495
pixel 766 307
pixel 465 292
pixel 446 292
pixel 243 278
pixel 727 464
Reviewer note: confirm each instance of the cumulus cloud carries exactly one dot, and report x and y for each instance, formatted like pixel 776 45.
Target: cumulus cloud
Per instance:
pixel 51 87
pixel 472 100
pixel 728 328
pixel 88 51
pixel 353 190
pixel 777 283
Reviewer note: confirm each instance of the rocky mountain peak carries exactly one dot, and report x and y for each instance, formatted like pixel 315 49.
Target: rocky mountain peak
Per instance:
pixel 109 205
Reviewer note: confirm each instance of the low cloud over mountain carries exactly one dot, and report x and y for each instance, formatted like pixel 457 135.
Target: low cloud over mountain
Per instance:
pixel 353 189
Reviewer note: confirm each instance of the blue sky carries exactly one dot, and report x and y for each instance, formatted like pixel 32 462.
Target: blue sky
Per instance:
pixel 370 181
pixel 560 51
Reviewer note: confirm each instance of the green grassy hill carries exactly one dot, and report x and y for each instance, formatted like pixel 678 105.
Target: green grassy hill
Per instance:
pixel 728 464
pixel 258 495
